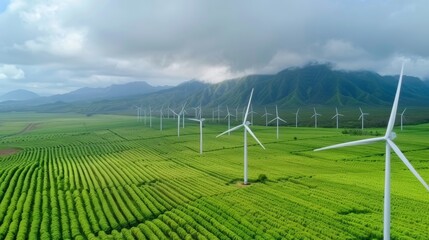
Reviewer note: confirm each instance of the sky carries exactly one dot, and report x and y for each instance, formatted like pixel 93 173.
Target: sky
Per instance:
pixel 56 46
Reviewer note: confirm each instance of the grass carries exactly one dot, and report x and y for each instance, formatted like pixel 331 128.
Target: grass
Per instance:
pixel 129 167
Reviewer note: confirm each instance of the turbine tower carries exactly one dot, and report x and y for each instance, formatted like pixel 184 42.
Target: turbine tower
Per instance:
pixel 315 117
pixel 277 118
pixel 388 139
pixel 266 116
pixel 362 116
pixel 236 114
pixel 337 115
pixel 296 118
pixel 245 125
pixel 402 117
pixel 139 109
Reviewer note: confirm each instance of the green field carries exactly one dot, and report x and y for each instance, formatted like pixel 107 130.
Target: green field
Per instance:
pixel 111 177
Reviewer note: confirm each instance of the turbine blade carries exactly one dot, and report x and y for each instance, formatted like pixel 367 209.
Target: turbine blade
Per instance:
pixel 353 143
pixel 407 163
pixel 277 112
pixel 194 119
pixel 248 107
pixel 395 104
pixel 230 130
pixel 272 120
pixel 253 135
pixel 282 120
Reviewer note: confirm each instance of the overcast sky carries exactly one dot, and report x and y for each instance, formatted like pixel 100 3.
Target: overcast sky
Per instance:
pixel 55 46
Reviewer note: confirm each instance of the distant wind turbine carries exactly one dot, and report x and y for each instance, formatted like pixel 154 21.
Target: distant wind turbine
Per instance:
pixel 183 118
pixel 277 118
pixel 200 120
pixel 266 116
pixel 337 115
pixel 236 114
pixel 229 115
pixel 150 117
pixel 251 114
pixel 139 109
pixel 160 118
pixel 296 118
pixel 362 116
pixel 178 118
pixel 245 125
pixel 402 117
pixel 315 117
pixel 388 139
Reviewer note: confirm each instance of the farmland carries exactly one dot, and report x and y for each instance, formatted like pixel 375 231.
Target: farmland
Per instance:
pixel 111 177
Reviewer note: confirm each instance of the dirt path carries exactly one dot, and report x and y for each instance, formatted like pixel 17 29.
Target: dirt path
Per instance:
pixel 10 151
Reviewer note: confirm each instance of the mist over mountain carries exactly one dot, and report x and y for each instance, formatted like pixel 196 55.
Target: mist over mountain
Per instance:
pixel 315 84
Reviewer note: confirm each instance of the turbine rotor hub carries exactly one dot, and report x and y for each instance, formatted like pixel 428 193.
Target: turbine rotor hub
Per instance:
pixel 392 135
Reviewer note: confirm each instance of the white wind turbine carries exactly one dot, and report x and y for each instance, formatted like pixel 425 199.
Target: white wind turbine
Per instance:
pixel 337 115
pixel 245 125
pixel 144 112
pixel 277 118
pixel 315 117
pixel 200 120
pixel 196 111
pixel 402 117
pixel 139 109
pixel 266 116
pixel 296 118
pixel 183 117
pixel 178 118
pixel 251 114
pixel 229 115
pixel 362 116
pixel 236 114
pixel 388 139
pixel 160 118
pixel 218 113
pixel 150 117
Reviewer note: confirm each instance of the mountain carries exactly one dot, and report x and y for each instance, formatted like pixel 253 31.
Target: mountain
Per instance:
pixel 18 95
pixel 316 84
pixel 111 92
pixel 311 85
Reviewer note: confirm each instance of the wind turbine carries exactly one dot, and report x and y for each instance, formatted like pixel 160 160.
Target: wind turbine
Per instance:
pixel 183 118
pixel 251 114
pixel 296 118
pixel 245 125
pixel 337 115
pixel 228 115
pixel 362 116
pixel 266 115
pixel 236 114
pixel 178 118
pixel 150 117
pixel 200 120
pixel 277 118
pixel 218 113
pixel 196 111
pixel 402 117
pixel 388 139
pixel 144 112
pixel 315 117
pixel 138 113
pixel 160 118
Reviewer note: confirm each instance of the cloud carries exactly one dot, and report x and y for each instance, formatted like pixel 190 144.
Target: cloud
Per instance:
pixel 75 43
pixel 11 72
